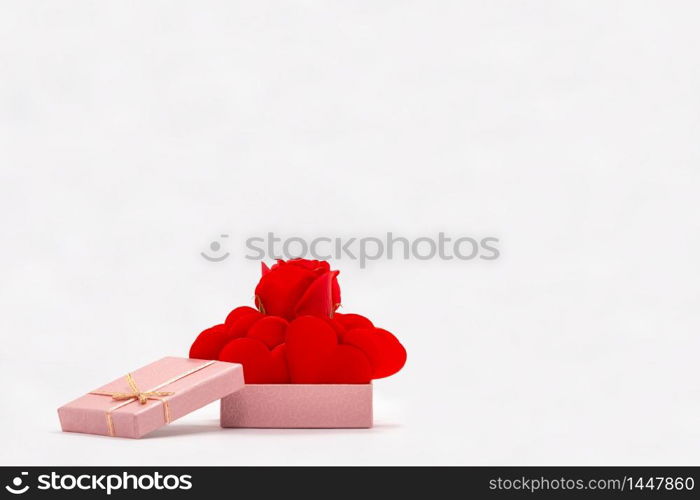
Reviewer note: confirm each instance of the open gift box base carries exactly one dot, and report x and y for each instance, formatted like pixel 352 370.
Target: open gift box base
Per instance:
pixel 299 406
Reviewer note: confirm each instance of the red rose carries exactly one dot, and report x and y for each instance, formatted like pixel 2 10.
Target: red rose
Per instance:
pixel 296 287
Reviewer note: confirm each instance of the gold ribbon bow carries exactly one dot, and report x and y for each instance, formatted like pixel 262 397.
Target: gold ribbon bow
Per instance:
pixel 135 393
pixel 143 396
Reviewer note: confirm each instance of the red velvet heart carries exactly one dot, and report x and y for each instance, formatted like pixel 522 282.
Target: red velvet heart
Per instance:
pixel 314 355
pixel 337 327
pixel 238 314
pixel 270 330
pixel 210 342
pixel 350 321
pixel 260 364
pixel 385 352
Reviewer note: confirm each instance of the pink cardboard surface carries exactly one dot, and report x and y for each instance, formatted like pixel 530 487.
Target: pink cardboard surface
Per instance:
pixel 171 388
pixel 299 406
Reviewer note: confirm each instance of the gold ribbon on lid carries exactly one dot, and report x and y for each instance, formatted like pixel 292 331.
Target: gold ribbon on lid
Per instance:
pixel 143 396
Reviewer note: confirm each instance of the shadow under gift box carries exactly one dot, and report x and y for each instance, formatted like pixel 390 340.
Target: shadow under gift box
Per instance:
pixel 189 383
pixel 300 406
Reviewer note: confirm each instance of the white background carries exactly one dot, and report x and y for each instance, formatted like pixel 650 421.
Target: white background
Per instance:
pixel 134 133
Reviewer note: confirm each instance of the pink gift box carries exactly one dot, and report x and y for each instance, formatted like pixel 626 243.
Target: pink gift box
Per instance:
pixel 169 389
pixel 299 406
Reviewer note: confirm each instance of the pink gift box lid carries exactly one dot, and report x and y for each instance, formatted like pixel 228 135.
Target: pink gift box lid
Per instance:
pixel 177 386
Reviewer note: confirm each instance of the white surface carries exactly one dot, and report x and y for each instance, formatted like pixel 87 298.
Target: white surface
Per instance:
pixel 134 133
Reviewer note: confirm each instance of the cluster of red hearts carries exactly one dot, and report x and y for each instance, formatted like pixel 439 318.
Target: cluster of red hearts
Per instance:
pixel 294 335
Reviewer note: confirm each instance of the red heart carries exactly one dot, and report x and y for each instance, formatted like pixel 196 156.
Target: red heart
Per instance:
pixel 260 365
pixel 314 355
pixel 350 321
pixel 385 352
pixel 239 314
pixel 210 342
pixel 270 330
